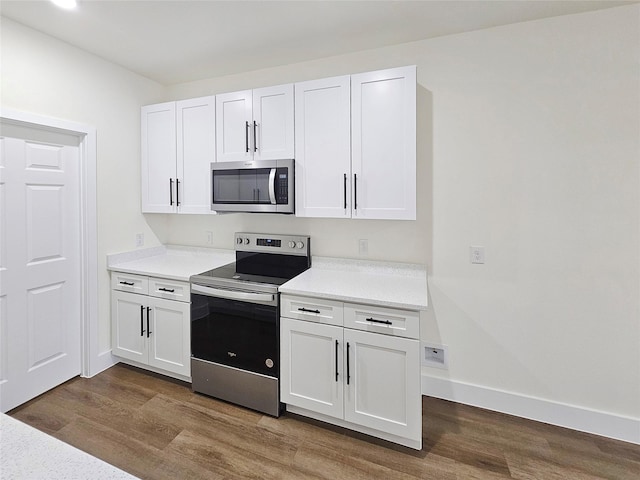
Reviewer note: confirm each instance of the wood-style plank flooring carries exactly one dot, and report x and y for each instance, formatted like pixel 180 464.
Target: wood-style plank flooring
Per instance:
pixel 156 428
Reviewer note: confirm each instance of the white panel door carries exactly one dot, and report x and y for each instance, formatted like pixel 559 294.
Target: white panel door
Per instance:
pixel 196 150
pixel 383 129
pixel 323 148
pixel 273 133
pixel 40 300
pixel 311 372
pixel 169 338
pixel 158 152
pixel 234 126
pixel 129 324
pixel 4 278
pixel 384 383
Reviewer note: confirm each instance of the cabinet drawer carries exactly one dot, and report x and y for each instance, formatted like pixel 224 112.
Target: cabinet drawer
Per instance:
pixel 388 321
pixel 169 289
pixel 318 310
pixel 130 283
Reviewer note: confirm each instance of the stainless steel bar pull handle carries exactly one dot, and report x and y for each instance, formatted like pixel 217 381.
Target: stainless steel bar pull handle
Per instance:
pixel 255 136
pixel 246 136
pixel 177 192
pixel 386 322
pixel 302 309
pixel 142 320
pixel 171 191
pixel 355 191
pixel 345 191
pixel 336 360
pixel 148 329
pixel 348 373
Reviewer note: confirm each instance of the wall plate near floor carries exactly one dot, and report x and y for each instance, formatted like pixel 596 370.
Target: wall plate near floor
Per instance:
pixel 434 355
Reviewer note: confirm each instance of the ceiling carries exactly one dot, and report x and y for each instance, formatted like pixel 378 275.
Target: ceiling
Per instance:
pixel 179 41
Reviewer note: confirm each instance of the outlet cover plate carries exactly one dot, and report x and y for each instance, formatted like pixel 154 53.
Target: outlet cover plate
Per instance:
pixel 434 355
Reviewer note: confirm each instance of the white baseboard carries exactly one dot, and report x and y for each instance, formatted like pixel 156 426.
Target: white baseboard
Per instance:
pixel 100 363
pixel 570 416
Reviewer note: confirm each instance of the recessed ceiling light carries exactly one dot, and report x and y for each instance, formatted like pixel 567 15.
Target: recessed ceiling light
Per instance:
pixel 67 4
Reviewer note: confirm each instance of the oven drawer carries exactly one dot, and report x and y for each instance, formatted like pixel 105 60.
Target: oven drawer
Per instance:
pixel 388 321
pixel 129 283
pixel 169 289
pixel 320 310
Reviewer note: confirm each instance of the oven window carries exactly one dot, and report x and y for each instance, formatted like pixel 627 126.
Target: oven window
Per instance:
pixel 235 333
pixel 248 186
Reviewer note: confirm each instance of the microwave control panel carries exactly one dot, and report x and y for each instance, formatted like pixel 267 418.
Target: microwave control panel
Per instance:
pixel 282 186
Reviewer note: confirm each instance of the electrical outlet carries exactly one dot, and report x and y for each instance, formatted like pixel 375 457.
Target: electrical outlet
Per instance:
pixel 476 254
pixel 363 247
pixel 209 238
pixel 434 355
pixel 139 239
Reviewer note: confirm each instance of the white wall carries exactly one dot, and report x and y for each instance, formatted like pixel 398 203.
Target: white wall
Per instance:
pixel 48 77
pixel 528 145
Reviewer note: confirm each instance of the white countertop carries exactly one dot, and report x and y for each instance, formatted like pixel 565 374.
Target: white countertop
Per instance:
pixel 170 262
pixel 29 453
pixel 397 285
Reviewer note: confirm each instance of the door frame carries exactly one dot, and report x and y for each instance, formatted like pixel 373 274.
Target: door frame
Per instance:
pixel 92 362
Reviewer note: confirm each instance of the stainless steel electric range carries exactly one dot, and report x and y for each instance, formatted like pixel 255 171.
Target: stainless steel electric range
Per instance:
pixel 235 320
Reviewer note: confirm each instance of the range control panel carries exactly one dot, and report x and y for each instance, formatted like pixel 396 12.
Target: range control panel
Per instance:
pixel 268 242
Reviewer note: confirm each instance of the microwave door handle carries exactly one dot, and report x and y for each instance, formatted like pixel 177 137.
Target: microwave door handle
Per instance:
pixel 272 186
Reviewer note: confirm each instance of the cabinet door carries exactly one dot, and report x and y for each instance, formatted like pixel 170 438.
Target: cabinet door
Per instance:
pixel 169 339
pixel 383 129
pixel 158 151
pixel 311 366
pixel 233 126
pixel 196 148
pixel 384 383
pixel 323 148
pixel 128 325
pixel 272 135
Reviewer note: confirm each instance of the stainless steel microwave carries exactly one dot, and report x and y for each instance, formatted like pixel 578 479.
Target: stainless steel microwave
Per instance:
pixel 264 186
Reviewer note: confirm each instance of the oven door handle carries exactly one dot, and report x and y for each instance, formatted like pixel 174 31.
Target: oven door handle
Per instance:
pixel 272 186
pixel 232 295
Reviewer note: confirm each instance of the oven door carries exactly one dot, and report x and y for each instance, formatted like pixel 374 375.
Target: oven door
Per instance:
pixel 235 328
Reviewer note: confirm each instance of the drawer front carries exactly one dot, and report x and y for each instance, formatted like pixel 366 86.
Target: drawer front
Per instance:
pixel 169 289
pixel 130 283
pixel 388 321
pixel 319 310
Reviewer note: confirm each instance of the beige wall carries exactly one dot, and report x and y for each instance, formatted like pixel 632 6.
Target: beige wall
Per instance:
pixel 527 144
pixel 47 77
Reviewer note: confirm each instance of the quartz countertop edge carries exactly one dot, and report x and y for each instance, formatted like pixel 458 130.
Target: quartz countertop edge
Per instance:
pixel 173 262
pixel 26 452
pixel 385 284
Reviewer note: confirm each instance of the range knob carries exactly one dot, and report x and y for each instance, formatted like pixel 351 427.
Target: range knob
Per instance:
pixel 246 241
pixel 239 241
pixel 300 245
pixel 292 244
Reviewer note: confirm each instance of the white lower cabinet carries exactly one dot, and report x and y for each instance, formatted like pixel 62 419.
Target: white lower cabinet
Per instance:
pixel 150 327
pixel 364 379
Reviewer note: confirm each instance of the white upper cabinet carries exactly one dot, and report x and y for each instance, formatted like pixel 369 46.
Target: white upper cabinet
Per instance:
pixel 158 151
pixel 178 145
pixel 196 149
pixel 255 124
pixel 383 142
pixel 323 148
pixel 356 146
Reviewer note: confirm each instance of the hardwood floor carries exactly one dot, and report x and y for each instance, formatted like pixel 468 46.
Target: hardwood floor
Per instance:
pixel 156 428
